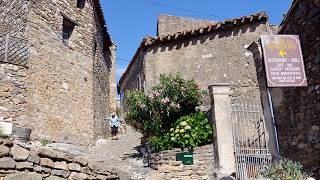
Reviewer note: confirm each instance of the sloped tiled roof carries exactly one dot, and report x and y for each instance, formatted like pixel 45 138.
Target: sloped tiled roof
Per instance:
pixel 228 23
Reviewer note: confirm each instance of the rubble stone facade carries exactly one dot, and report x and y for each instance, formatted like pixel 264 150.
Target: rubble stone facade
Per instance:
pixel 69 83
pixel 298 112
pixel 297 109
pixel 168 25
pixel 25 161
pixel 215 54
pixel 168 168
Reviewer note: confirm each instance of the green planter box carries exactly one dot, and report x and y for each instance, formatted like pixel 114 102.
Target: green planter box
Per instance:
pixel 185 157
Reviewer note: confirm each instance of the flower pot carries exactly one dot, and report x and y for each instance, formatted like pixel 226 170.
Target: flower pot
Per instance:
pixel 22 134
pixel 186 157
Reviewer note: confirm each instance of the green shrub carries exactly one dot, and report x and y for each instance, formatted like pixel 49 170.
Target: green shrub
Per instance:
pixel 187 132
pixel 191 131
pixel 174 97
pixel 171 98
pixel 44 142
pixel 160 143
pixel 285 170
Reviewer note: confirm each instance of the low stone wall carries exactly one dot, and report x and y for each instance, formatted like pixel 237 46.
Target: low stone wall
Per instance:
pixel 168 168
pixel 13 92
pixel 23 161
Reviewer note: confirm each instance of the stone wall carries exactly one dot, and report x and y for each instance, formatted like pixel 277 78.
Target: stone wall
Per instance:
pixel 69 84
pixel 168 25
pixel 24 161
pixel 13 17
pixel 13 92
pixel 131 81
pixel 298 110
pixel 103 82
pixel 168 168
pixel 218 57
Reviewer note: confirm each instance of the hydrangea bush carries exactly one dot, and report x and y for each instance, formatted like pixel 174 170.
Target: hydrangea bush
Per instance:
pixel 191 131
pixel 153 114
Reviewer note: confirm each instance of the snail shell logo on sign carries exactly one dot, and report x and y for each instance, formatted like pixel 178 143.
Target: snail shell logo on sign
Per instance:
pixel 283 61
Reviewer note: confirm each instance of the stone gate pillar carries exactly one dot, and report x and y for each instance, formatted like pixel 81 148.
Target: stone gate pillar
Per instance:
pixel 221 116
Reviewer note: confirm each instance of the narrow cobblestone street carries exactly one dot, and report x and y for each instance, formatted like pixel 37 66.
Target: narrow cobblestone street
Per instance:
pixel 120 155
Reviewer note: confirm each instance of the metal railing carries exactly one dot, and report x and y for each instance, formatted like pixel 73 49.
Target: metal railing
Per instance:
pixel 250 145
pixel 14 50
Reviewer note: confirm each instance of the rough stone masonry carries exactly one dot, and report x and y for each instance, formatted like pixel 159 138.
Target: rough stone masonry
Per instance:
pixel 25 161
pixel 297 109
pixel 67 84
pixel 212 54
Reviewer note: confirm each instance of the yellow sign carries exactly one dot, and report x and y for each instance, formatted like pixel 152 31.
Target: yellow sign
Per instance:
pixel 282 53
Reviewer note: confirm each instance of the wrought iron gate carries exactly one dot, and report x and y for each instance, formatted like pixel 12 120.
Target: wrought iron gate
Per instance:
pixel 250 146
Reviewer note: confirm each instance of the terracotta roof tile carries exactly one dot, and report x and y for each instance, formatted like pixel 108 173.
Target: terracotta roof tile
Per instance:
pixel 228 23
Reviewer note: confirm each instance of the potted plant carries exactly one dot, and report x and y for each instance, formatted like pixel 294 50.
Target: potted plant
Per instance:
pixel 188 132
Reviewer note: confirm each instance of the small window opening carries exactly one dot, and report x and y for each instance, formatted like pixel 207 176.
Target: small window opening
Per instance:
pixel 68 27
pixel 81 3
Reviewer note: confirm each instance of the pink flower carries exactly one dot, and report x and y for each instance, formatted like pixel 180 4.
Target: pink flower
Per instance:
pixel 175 106
pixel 156 94
pixel 165 100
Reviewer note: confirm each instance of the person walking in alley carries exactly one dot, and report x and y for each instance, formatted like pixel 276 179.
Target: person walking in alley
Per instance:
pixel 114 125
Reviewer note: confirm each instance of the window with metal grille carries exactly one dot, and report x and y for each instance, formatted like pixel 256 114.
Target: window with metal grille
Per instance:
pixel 68 27
pixel 81 3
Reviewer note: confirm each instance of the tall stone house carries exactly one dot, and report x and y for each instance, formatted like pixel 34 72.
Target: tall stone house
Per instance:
pixel 208 52
pixel 297 109
pixel 57 69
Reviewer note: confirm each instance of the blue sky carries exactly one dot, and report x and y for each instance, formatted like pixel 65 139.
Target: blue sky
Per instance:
pixel 129 21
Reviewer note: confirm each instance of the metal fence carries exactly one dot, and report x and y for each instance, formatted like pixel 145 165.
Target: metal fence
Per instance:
pixel 250 145
pixel 14 50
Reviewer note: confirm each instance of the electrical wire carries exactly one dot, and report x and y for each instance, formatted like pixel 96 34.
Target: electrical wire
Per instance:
pixel 120 59
pixel 181 9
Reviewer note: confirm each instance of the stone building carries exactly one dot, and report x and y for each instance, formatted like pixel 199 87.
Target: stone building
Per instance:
pixel 297 109
pixel 215 52
pixel 57 69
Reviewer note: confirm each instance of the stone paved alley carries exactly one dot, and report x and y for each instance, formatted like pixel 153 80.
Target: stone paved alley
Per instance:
pixel 120 155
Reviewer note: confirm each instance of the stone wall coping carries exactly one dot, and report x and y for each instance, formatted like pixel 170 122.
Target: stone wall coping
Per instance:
pixel 219 88
pixel 16 157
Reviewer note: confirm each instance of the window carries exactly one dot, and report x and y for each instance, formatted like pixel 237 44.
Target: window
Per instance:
pixel 68 27
pixel 81 4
